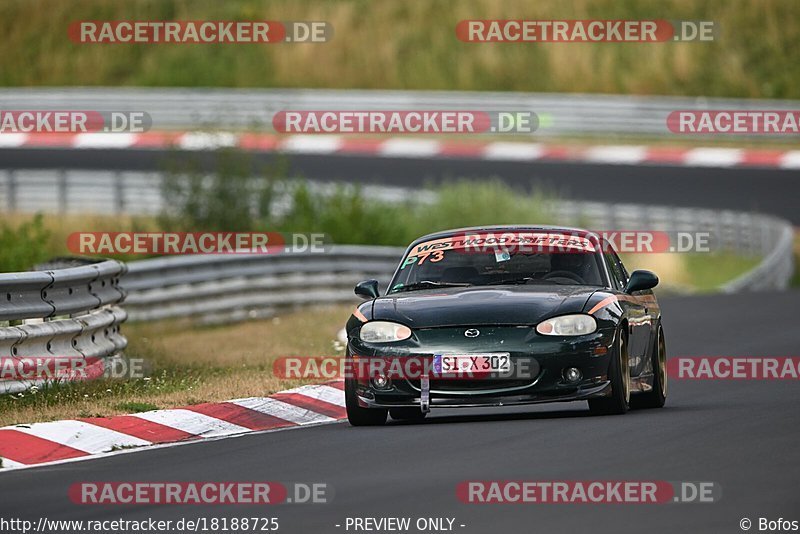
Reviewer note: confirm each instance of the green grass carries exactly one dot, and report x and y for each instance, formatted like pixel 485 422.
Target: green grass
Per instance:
pixel 186 365
pixel 709 271
pixel 23 243
pixel 349 216
pixel 412 45
pixel 87 397
pixel 136 407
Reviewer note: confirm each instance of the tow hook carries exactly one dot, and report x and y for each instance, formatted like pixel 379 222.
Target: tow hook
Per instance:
pixel 425 394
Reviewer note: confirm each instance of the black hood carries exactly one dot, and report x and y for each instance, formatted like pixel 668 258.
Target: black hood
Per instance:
pixel 512 305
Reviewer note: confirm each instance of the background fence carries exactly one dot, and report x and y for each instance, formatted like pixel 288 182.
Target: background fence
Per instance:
pixel 222 288
pixel 122 192
pixel 561 114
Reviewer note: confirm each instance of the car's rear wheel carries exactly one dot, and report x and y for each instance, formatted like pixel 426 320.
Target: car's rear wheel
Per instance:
pixel 407 414
pixel 656 397
pixel 358 416
pixel 619 375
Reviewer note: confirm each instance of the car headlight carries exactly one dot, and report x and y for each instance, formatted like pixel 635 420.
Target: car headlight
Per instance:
pixel 384 332
pixel 568 325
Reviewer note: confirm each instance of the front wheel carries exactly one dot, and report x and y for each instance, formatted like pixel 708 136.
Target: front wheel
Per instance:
pixel 358 416
pixel 619 374
pixel 656 397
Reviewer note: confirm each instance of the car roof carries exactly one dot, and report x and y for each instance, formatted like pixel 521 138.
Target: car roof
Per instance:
pixel 506 228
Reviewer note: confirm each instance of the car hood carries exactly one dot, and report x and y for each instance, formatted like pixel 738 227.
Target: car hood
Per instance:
pixel 511 305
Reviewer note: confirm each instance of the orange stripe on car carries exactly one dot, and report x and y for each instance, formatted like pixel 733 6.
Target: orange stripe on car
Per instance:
pixel 614 298
pixel 360 316
pixel 603 303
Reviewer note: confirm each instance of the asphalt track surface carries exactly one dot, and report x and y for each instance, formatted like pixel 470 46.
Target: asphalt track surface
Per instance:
pixel 742 435
pixel 745 189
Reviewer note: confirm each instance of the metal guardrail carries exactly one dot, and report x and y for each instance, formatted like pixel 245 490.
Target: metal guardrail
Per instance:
pixel 564 114
pixel 231 287
pixel 62 315
pixel 774 272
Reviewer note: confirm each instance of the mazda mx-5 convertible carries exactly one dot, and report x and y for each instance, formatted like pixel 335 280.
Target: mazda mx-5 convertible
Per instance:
pixel 501 316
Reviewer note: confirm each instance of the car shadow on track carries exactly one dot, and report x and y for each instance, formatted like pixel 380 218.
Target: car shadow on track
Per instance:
pixel 526 416
pixel 500 416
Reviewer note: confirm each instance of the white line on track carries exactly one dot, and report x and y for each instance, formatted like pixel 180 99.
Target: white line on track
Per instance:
pixel 104 140
pixel 513 151
pixel 311 144
pixel 409 148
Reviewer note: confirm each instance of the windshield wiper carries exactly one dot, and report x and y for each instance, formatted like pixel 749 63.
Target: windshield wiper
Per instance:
pixel 525 281
pixel 515 281
pixel 427 284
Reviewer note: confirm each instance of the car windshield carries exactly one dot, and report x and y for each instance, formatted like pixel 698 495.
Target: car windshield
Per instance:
pixel 459 261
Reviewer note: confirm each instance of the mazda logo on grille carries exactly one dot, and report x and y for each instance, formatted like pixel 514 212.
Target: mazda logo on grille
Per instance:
pixel 472 332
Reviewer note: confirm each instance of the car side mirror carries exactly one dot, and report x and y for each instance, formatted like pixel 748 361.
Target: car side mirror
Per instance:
pixel 641 280
pixel 368 289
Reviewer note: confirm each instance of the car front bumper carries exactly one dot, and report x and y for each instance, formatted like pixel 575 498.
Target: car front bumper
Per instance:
pixel 546 359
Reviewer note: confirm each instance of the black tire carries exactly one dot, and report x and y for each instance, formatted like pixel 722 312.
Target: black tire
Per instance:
pixel 358 416
pixel 407 414
pixel 618 402
pixel 656 397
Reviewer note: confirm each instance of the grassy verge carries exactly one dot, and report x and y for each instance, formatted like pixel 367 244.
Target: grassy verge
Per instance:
pixel 412 45
pixel 27 239
pixel 692 271
pixel 708 273
pixel 188 365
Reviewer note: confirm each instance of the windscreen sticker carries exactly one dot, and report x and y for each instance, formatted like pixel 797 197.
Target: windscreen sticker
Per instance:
pixel 501 256
pixel 419 259
pixel 523 242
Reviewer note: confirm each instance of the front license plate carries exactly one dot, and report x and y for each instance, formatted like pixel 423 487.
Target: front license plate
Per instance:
pixel 473 364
